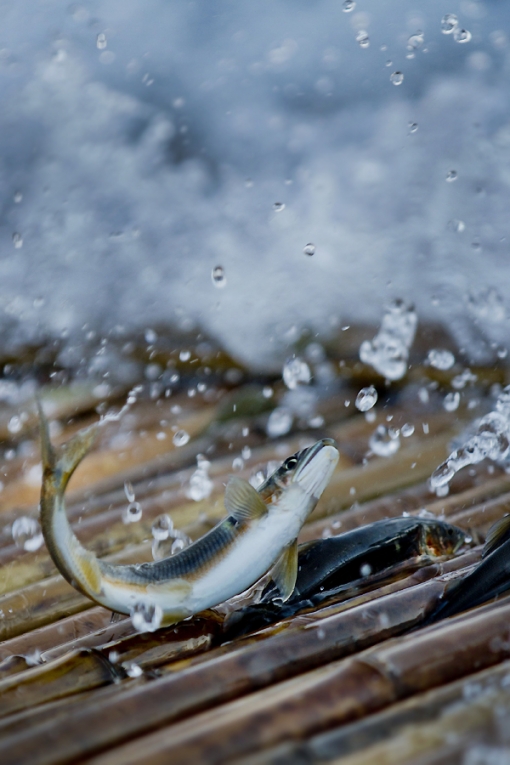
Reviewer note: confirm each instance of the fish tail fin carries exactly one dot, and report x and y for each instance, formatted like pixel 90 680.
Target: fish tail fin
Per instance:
pixel 61 462
pixel 79 566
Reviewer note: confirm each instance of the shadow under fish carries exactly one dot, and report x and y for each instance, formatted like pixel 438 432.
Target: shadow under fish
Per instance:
pixel 326 567
pixel 490 578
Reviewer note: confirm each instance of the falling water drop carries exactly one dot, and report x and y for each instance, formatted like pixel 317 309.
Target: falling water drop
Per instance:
pixel 132 513
pixel 449 23
pixel 181 438
pixel 441 359
pixel 27 534
pixel 366 399
pixel 146 617
pixel 462 35
pixel 218 277
pixel 363 39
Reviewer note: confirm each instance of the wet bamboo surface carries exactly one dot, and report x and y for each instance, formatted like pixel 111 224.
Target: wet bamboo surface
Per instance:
pixel 354 680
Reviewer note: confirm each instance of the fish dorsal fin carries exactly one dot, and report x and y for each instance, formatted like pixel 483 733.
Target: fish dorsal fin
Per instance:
pixel 242 501
pixel 498 533
pixel 284 573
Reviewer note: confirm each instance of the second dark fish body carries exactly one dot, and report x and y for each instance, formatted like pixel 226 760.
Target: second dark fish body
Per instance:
pixel 490 578
pixel 328 565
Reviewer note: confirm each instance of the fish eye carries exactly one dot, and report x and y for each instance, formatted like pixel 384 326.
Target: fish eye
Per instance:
pixel 291 462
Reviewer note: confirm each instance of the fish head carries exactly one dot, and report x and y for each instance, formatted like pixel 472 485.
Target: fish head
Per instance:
pixel 309 470
pixel 443 539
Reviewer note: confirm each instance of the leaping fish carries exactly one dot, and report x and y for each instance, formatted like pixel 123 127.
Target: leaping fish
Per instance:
pixel 259 533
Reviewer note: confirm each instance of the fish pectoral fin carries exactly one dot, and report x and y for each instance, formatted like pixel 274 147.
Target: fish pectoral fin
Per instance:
pixel 242 501
pixel 498 533
pixel 284 573
pixel 179 589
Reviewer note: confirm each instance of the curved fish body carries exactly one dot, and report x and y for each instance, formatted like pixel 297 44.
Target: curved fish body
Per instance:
pixel 490 578
pixel 259 533
pixel 327 566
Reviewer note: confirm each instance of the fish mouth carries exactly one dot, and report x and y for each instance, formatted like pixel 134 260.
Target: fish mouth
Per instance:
pixel 317 466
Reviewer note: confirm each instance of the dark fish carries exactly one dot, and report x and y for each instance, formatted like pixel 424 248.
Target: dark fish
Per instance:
pixel 326 566
pixel 490 578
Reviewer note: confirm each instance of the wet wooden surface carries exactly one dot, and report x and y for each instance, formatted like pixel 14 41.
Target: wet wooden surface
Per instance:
pixel 352 681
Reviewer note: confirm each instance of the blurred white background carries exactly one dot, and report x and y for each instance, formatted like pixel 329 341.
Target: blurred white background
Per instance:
pixel 143 144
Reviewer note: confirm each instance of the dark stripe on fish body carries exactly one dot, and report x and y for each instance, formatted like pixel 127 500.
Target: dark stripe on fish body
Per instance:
pixel 188 564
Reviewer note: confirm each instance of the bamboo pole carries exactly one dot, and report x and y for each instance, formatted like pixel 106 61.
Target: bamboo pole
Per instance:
pixel 337 693
pixel 221 674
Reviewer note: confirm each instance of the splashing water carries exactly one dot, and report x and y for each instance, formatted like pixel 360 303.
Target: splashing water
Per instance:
pixel 279 422
pixel 491 441
pixel 296 372
pixel 384 442
pixel 218 277
pixel 27 534
pixel 200 485
pixel 388 352
pixel 132 513
pixel 162 527
pixel 441 359
pixel 146 617
pixel 449 23
pixel 366 399
pixel 181 438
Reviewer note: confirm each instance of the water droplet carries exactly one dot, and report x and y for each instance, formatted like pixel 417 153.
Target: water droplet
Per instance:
pixel 15 424
pixel 407 429
pixel 413 127
pixel 237 463
pixel 133 669
pixel 296 372
pixel 178 545
pixel 384 441
pixel 366 399
pixel 363 39
pixel 181 438
pixel 415 42
pixel 162 527
pixel 348 6
pixel 462 35
pixel 278 206
pixel 449 23
pixel 200 485
pixel 18 197
pixel 441 359
pixel 457 225
pixel 218 277
pixel 451 176
pixel 397 78
pixel 279 422
pixel 132 513
pixel 388 352
pixel 146 616
pixel 488 304
pixel 129 491
pixel 101 41
pixel 365 569
pixel 246 453
pixel 26 533
pixel 451 401
pixel 309 249
pixel 17 240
